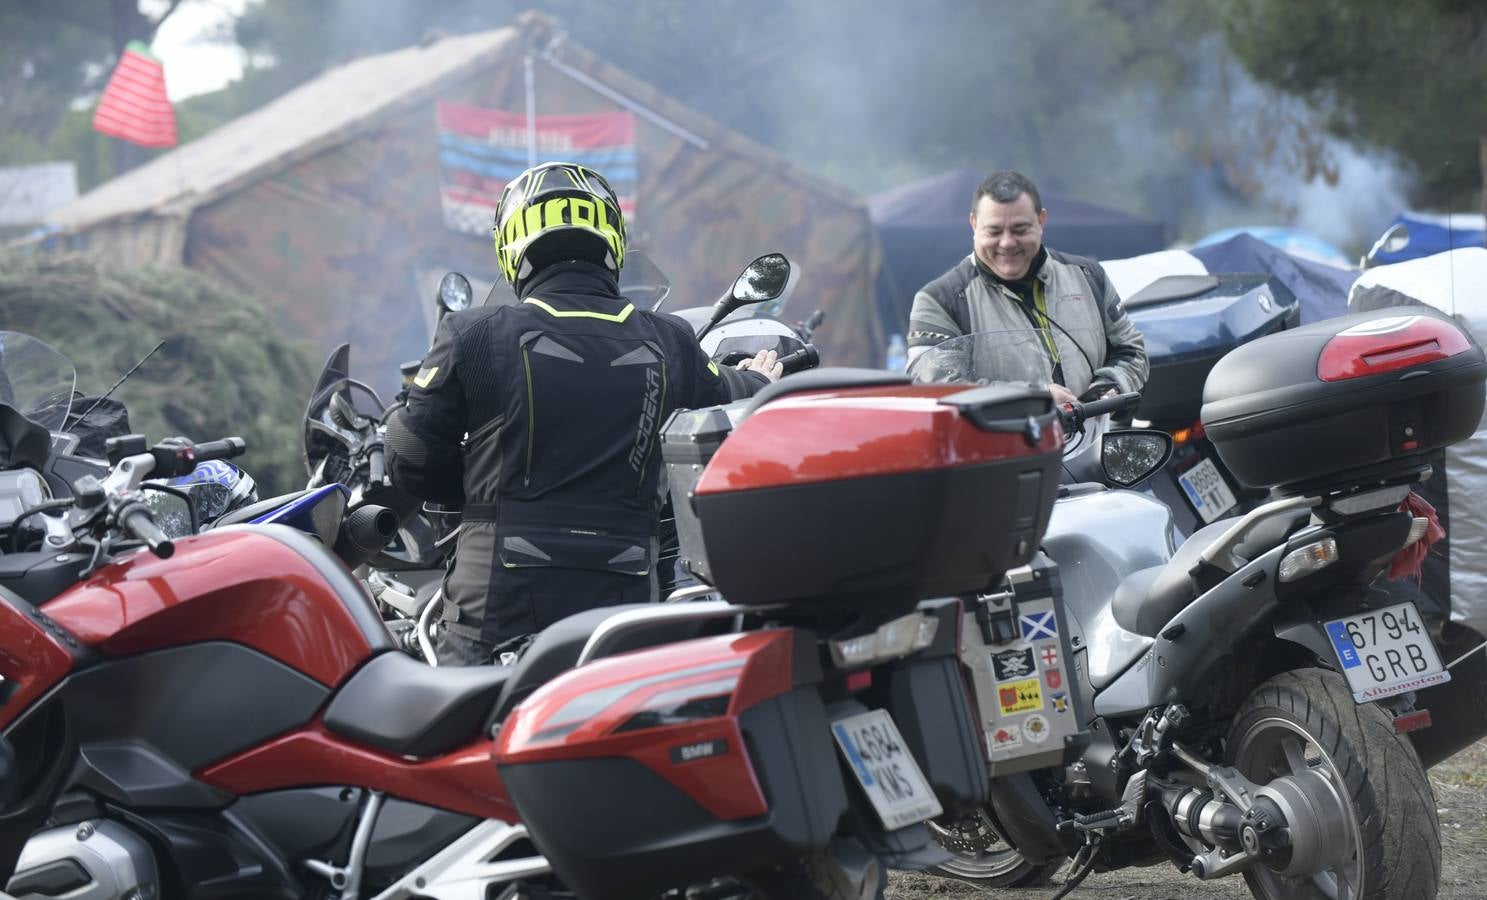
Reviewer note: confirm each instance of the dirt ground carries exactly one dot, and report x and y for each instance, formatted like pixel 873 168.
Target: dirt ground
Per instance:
pixel 1460 795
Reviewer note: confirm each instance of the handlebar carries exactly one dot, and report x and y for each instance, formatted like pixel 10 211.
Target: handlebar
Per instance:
pixel 135 519
pixel 226 448
pixel 376 466
pixel 178 456
pixel 1074 415
pixel 809 326
pixel 805 358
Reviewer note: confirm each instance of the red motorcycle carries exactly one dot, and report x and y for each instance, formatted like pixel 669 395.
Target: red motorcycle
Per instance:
pixel 225 715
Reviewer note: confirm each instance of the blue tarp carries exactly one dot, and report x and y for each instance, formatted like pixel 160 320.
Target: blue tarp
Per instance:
pixel 1298 243
pixel 1429 235
pixel 1322 289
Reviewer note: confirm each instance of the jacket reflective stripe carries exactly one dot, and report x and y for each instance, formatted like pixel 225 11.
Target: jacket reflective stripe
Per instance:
pixel 618 317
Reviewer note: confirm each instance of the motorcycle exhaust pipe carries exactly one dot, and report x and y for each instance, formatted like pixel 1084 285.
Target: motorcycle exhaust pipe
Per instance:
pixel 364 532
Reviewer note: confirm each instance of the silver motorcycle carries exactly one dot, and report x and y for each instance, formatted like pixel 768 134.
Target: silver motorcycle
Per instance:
pixel 1213 705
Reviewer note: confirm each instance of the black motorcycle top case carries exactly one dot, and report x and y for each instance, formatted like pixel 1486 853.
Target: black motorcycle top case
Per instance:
pixel 1339 402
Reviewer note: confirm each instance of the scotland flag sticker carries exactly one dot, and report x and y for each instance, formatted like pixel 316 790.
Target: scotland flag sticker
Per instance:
pixel 1039 626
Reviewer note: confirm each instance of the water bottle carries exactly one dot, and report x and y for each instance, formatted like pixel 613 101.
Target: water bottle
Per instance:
pixel 897 358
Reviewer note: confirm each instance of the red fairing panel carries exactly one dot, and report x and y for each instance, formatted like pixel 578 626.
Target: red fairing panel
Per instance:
pixel 227 586
pixel 601 710
pixel 31 659
pixel 858 433
pixel 1387 345
pixel 464 780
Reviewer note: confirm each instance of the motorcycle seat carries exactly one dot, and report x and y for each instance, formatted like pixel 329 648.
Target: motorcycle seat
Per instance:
pixel 1147 599
pixel 556 648
pixel 254 510
pixel 406 707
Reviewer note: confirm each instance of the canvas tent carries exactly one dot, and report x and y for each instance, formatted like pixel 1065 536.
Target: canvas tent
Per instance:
pixel 341 202
pixel 924 230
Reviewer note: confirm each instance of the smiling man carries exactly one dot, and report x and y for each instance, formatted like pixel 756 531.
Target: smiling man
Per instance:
pixel 1011 283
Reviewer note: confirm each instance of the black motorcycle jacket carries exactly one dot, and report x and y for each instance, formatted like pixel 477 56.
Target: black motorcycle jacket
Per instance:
pixel 543 419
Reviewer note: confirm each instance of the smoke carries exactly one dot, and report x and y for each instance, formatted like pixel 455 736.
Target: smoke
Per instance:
pixel 1369 191
pixel 1103 100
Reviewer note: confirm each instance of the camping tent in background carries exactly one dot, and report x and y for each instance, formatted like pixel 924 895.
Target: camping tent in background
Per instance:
pixel 924 231
pixel 340 203
pixel 1322 289
pixel 1431 234
pixel 1300 244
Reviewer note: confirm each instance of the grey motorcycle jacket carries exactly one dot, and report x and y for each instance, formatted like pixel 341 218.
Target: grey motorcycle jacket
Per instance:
pixel 1074 293
pixel 542 421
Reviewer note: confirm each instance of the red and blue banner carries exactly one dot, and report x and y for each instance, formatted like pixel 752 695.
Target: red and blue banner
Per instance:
pixel 480 150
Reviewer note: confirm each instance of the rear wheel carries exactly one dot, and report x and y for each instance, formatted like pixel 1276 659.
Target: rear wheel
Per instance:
pixel 1377 836
pixel 983 858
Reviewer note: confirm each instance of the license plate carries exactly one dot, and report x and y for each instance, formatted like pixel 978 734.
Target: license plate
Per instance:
pixel 1385 652
pixel 885 768
pixel 1206 490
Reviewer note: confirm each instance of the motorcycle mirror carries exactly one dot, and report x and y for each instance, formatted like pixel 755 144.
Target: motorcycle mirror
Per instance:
pixel 642 282
pixel 1130 457
pixel 762 280
pixel 455 292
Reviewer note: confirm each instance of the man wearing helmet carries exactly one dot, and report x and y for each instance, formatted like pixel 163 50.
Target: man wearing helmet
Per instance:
pixel 541 419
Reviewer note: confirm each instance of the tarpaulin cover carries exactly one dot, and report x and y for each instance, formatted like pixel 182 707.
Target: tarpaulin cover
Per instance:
pixel 1322 289
pixel 1455 571
pixel 1432 234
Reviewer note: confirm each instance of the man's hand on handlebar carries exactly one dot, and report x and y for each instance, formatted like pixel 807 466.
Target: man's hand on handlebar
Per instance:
pixel 766 363
pixel 1061 395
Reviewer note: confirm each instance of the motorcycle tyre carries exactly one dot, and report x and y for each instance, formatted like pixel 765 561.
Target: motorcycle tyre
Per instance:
pixel 1000 871
pixel 815 877
pixel 1393 804
pixel 1025 874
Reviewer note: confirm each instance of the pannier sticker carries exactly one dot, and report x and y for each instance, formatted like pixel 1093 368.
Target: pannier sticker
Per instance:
pixel 1055 679
pixel 1014 663
pixel 1060 702
pixel 1004 738
pixel 1036 729
pixel 1039 626
pixel 1020 696
pixel 701 750
pixel 1049 655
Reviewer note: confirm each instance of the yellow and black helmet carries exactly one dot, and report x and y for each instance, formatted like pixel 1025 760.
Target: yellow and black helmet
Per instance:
pixel 556 212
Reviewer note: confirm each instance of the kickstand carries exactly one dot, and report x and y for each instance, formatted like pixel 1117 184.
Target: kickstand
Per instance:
pixel 1079 870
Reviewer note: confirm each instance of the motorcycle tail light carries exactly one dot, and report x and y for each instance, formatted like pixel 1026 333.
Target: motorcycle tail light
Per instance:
pixel 1370 501
pixel 1310 558
pixel 891 640
pixel 1387 345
